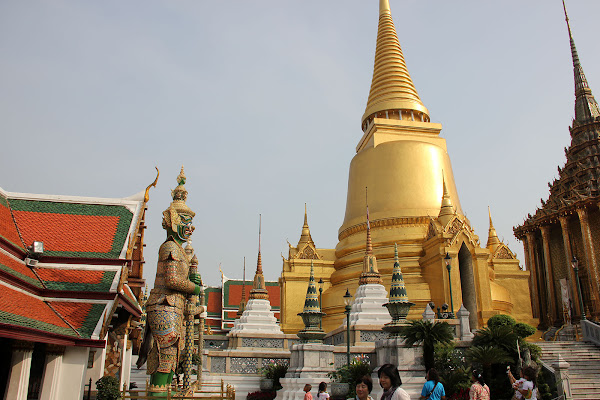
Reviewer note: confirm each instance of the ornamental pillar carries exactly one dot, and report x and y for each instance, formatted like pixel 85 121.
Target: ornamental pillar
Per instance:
pixel 52 370
pixel 590 257
pixel 528 243
pixel 564 226
pixel 550 287
pixel 20 367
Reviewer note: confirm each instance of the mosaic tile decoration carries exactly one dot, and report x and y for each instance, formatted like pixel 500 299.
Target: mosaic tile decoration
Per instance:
pixel 217 364
pixel 244 365
pixel 372 336
pixel 262 343
pixel 280 361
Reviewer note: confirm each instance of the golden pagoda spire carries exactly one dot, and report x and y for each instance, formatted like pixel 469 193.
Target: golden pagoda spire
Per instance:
pixel 370 273
pixel 447 209
pixel 493 240
pixel 259 290
pixel 392 90
pixel 586 107
pixel 305 236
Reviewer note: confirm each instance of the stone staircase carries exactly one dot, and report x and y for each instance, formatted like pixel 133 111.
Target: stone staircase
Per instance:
pixel 584 372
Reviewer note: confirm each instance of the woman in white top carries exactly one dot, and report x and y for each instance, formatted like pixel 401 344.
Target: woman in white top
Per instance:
pixel 389 380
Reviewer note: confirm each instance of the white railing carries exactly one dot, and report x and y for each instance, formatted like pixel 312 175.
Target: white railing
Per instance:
pixel 590 332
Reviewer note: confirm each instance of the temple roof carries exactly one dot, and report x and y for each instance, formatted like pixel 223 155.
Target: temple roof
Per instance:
pixel 62 297
pixel 391 87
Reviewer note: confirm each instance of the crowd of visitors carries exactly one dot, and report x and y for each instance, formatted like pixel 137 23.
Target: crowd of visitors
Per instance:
pixel 389 379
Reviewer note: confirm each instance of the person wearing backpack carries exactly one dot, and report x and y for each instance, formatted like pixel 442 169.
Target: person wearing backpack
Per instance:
pixel 433 388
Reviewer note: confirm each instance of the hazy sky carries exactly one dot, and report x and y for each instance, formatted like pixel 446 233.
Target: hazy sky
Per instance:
pixel 262 100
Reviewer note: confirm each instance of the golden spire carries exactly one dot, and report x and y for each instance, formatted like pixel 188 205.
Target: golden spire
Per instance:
pixel 493 240
pixel 447 209
pixel 305 236
pixel 392 89
pixel 259 290
pixel 370 273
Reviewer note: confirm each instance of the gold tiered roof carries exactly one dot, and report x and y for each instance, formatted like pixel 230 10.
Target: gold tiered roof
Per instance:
pixel 392 88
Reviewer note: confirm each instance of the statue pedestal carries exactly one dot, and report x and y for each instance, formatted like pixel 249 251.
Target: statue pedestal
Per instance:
pixel 309 363
pixel 409 361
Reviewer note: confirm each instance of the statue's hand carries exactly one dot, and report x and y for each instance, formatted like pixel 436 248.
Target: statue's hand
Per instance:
pixel 196 279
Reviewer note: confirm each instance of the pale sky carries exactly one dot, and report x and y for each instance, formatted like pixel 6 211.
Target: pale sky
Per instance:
pixel 262 100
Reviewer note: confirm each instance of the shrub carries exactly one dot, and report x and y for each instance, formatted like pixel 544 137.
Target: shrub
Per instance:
pixel 274 371
pixel 358 368
pixel 270 395
pixel 524 330
pixel 108 388
pixel 501 320
pixel 454 375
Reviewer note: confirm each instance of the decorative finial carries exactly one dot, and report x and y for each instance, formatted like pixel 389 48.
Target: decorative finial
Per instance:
pixel 305 235
pixel 370 273
pixel 259 290
pixel 586 107
pixel 446 209
pixel 153 184
pixel 369 247
pixel 493 241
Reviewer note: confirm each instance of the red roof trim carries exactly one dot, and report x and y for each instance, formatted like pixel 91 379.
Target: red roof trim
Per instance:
pixel 136 312
pixel 34 335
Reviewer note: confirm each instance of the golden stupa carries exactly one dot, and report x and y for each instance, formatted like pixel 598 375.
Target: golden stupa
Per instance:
pixel 413 202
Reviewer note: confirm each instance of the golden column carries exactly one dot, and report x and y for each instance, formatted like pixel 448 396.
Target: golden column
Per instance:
pixel 545 229
pixel 590 257
pixel 533 278
pixel 564 226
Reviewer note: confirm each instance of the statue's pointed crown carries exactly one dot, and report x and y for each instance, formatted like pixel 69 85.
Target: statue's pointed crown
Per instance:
pixel 392 88
pixel 179 195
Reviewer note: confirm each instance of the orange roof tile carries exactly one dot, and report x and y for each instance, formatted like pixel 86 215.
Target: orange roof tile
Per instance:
pixel 21 304
pixel 71 275
pixel 68 232
pixel 8 230
pixel 17 269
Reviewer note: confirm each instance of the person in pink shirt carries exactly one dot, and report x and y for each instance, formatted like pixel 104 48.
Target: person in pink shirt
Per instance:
pixel 307 389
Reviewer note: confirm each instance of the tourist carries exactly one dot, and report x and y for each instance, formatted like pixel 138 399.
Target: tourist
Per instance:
pixel 307 389
pixel 322 395
pixel 528 389
pixel 433 388
pixel 389 380
pixel 479 390
pixel 516 383
pixel 364 386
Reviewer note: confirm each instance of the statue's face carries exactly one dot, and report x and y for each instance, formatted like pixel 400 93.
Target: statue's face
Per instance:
pixel 185 228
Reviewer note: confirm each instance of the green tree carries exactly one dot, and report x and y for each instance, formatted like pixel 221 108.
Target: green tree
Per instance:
pixel 427 333
pixel 108 388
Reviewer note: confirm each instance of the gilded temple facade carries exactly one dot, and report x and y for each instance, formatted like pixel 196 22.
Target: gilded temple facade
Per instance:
pixel 413 201
pixel 567 225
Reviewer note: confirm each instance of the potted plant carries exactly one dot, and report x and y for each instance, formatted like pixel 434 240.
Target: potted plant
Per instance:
pixel 343 377
pixel 271 374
